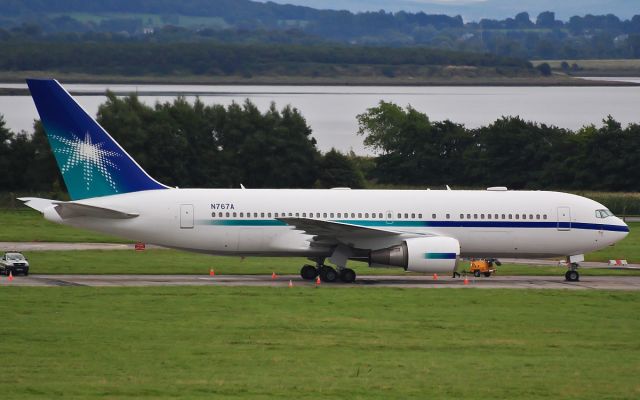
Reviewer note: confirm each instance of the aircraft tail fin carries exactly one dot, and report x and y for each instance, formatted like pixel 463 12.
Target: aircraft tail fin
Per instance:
pixel 92 163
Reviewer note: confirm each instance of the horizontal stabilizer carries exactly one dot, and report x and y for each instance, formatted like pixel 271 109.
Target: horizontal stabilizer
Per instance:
pixel 68 209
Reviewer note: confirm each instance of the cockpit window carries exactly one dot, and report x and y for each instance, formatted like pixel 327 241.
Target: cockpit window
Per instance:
pixel 603 213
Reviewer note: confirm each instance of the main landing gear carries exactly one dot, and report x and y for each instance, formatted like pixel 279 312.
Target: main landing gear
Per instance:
pixel 572 274
pixel 327 273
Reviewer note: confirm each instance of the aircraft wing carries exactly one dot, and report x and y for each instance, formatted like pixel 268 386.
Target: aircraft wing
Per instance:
pixel 69 209
pixel 334 229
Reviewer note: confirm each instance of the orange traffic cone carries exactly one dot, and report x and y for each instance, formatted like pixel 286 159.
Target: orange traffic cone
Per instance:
pixel 212 272
pixel 466 280
pixel 435 277
pixel 290 283
pixel 318 280
pixel 273 275
pixel 10 276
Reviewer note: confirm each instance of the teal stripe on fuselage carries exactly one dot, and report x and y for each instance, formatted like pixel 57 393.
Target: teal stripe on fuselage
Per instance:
pixel 430 224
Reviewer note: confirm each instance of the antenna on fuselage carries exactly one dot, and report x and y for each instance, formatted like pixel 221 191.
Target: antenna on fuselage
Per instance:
pixel 448 188
pixel 242 186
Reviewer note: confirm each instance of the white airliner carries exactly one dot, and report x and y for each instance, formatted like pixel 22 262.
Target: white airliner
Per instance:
pixel 426 231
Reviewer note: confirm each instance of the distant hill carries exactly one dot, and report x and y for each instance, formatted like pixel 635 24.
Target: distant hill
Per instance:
pixel 474 10
pixel 521 35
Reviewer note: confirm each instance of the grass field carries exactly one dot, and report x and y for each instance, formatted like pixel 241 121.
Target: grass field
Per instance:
pixel 304 343
pixel 624 67
pixel 178 262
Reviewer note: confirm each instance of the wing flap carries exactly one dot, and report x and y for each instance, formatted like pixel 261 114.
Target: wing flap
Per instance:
pixel 327 230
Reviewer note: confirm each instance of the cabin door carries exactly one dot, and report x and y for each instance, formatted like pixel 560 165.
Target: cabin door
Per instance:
pixel 564 219
pixel 186 216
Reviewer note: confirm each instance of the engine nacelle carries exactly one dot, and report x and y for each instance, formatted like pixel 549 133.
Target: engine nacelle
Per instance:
pixel 433 254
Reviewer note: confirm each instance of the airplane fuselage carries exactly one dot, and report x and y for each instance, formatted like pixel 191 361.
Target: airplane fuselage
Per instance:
pixel 246 221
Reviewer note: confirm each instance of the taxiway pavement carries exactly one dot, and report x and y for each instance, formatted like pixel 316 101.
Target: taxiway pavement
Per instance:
pixel 369 281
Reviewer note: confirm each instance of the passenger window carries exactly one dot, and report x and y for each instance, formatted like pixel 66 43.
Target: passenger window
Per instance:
pixel 359 215
pixel 366 215
pixel 510 216
pixel 331 215
pixel 517 216
pixel 497 216
pixel 406 215
pixel 413 215
pixel 353 215
pixel 433 216
pixel 481 216
pixel 234 215
pixel 380 215
pixel 537 216
pixel 389 216
pixel 339 215
pixel 448 216
pixel 461 216
pixel 488 216
pixel 524 216
pixel 530 216
pixel 503 216
pixel 475 216
pixel 304 215
pixel 420 216
pixel 220 215
pixel 468 216
pixel 227 215
pixel 324 215
pixel 297 214
pixel 213 214
pixel 399 215
pixel 544 216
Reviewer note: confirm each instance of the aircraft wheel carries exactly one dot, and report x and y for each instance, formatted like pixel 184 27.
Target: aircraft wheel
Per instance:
pixel 572 276
pixel 476 273
pixel 308 272
pixel 328 274
pixel 348 275
pixel 487 274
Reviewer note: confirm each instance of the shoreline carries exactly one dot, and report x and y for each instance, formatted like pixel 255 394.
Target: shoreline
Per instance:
pixel 554 81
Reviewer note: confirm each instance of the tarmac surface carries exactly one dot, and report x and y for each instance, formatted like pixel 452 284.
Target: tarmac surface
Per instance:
pixel 495 282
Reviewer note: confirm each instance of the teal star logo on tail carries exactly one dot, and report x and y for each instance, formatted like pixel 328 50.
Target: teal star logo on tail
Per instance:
pixel 88 157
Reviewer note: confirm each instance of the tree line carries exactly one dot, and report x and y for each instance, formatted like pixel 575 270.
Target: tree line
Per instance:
pixel 210 58
pixel 509 152
pixel 191 145
pixel 196 145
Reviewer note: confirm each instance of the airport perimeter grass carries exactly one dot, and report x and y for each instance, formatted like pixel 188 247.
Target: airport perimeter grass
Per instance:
pixel 303 343
pixel 178 262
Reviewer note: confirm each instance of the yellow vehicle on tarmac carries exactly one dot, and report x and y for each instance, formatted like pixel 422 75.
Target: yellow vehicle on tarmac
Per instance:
pixel 482 267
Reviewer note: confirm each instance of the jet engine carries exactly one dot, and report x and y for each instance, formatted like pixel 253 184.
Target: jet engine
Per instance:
pixel 433 254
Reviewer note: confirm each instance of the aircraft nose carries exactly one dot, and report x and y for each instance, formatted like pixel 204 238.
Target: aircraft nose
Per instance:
pixel 624 229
